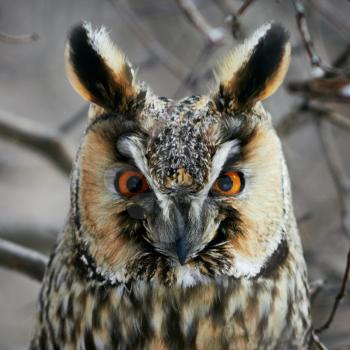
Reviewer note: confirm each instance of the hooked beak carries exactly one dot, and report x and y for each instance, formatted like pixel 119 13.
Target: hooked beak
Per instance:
pixel 181 249
pixel 182 244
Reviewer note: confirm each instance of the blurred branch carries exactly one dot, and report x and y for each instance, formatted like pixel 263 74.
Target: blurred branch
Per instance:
pixel 332 15
pixel 21 259
pixel 153 47
pixel 191 79
pixel 343 57
pixel 336 89
pixel 30 234
pixel 236 28
pixel 18 39
pixel 43 140
pixel 315 289
pixel 74 120
pixel 214 36
pixel 340 178
pixel 315 59
pixel 292 120
pixel 318 342
pixel 338 298
pixel 332 116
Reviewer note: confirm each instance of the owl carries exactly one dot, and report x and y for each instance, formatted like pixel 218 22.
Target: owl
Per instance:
pixel 181 232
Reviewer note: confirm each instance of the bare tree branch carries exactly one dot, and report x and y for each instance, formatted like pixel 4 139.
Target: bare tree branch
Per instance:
pixel 46 141
pixel 332 116
pixel 153 47
pixel 18 39
pixel 74 120
pixel 214 36
pixel 190 79
pixel 338 298
pixel 343 57
pixel 315 59
pixel 332 14
pixel 341 180
pixel 292 120
pixel 336 89
pixel 318 342
pixel 30 234
pixel 236 28
pixel 23 260
pixel 315 288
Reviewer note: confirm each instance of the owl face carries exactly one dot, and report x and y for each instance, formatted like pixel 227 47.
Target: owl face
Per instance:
pixel 187 190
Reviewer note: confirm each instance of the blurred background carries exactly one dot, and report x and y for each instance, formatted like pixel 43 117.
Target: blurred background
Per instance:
pixel 174 54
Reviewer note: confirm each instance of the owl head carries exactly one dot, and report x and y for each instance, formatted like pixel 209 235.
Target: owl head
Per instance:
pixel 178 191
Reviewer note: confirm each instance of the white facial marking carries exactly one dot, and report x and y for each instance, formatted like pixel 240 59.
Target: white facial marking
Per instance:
pixel 225 150
pixel 132 147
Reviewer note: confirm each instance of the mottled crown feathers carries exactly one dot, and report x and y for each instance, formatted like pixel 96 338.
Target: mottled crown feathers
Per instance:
pixel 255 69
pixel 97 70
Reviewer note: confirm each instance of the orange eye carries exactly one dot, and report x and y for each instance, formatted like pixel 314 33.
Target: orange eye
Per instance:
pixel 129 183
pixel 228 184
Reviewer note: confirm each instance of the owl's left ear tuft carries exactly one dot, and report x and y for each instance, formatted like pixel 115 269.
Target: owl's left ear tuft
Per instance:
pixel 255 69
pixel 97 70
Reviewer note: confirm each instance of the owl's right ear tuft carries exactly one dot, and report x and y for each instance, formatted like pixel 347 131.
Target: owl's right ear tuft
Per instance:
pixel 255 69
pixel 97 70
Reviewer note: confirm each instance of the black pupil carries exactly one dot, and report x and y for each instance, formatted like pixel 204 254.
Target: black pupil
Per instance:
pixel 134 184
pixel 225 183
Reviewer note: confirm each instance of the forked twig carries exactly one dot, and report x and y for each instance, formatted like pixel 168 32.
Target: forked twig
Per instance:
pixel 215 36
pixel 236 28
pixel 315 59
pixel 23 260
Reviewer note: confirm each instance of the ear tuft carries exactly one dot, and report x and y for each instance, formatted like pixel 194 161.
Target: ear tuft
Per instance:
pixel 97 70
pixel 255 69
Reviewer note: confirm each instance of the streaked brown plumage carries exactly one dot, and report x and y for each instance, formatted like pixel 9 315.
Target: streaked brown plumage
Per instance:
pixel 181 233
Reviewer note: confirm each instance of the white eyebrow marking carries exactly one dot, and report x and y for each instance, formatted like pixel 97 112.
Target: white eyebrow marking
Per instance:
pixel 132 147
pixel 227 149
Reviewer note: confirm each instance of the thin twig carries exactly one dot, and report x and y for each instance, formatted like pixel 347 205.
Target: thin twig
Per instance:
pixel 318 342
pixel 338 298
pixel 153 47
pixel 21 259
pixel 332 14
pixel 291 121
pixel 335 89
pixel 18 39
pixel 315 289
pixel 190 79
pixel 315 59
pixel 244 6
pixel 236 28
pixel 341 180
pixel 342 183
pixel 332 116
pixel 46 141
pixel 74 120
pixel 213 35
pixel 343 57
